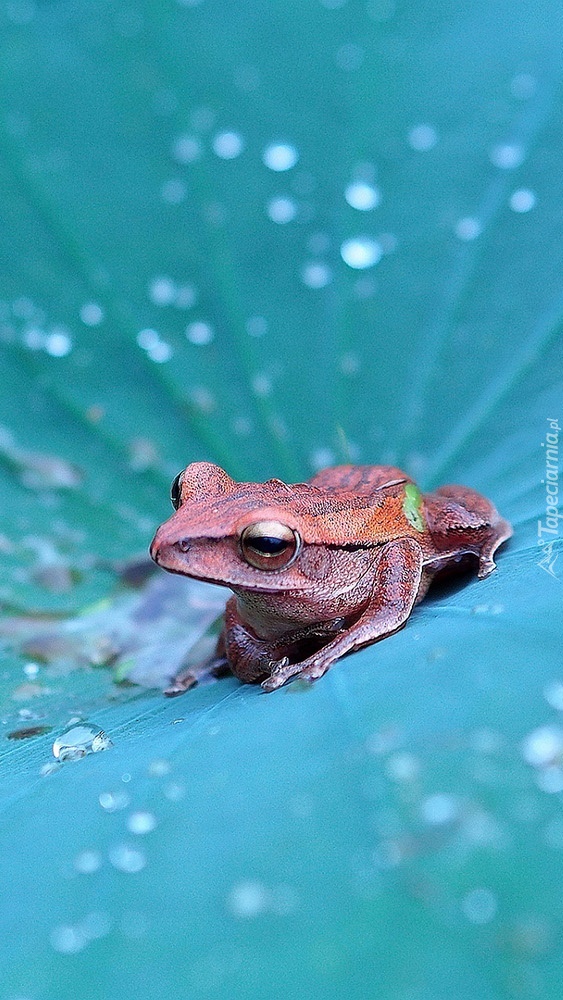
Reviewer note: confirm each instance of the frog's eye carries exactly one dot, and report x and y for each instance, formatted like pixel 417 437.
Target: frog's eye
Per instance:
pixel 269 545
pixel 175 490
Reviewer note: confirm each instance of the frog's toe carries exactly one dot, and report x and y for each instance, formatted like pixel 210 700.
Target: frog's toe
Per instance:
pixel 486 567
pixel 281 671
pixel 179 685
pixel 313 672
pixel 294 671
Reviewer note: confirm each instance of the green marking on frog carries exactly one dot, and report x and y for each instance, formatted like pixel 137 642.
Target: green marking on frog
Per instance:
pixel 412 507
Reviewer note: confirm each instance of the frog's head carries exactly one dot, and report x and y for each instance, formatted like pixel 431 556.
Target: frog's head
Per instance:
pixel 256 536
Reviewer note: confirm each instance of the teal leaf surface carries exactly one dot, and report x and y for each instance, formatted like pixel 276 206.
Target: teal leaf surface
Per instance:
pixel 278 236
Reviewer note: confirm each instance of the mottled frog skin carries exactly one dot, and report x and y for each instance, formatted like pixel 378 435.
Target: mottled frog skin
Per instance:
pixel 321 568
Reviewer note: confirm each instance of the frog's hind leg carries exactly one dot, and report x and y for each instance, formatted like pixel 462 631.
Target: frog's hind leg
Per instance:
pixel 483 517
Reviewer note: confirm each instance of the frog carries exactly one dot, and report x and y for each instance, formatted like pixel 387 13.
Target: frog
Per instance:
pixel 321 568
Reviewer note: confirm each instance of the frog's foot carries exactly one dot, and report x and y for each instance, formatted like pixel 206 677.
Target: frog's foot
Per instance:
pixel 284 671
pixel 501 532
pixel 190 676
pixel 399 578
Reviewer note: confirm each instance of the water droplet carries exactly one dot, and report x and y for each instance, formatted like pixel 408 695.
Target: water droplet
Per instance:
pixel 68 940
pixel 550 779
pixel 262 384
pixel 58 343
pixel 479 906
pixel 127 859
pixel 162 291
pixel 422 138
pixel 553 694
pixel 349 57
pixel 113 801
pixel 256 326
pixel 23 308
pixel 242 426
pixel 349 363
pixel 523 86
pixel 322 458
pixel 507 156
pixel 160 352
pixel 199 333
pixel 403 767
pixel 228 145
pixel 91 314
pixel 79 740
pixel 88 862
pixel 34 338
pixel 187 149
pixel 186 297
pixel 522 200
pixel 362 196
pixel 316 274
pixel 159 768
pixel 281 209
pixel 49 768
pixel 96 925
pixel 487 741
pixel 141 822
pixel 202 398
pixel 468 228
pixel 361 252
pixel 31 669
pixel 280 156
pixel 148 339
pixel 173 191
pixel 439 808
pixel 543 746
pixel 248 899
pixel 174 791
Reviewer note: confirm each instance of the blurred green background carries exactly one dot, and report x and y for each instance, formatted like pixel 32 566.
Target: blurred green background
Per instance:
pixel 281 235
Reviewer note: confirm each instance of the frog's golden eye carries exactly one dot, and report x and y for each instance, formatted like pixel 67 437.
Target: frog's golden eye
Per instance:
pixel 175 491
pixel 269 545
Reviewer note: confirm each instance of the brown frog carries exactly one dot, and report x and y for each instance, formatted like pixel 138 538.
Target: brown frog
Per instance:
pixel 321 568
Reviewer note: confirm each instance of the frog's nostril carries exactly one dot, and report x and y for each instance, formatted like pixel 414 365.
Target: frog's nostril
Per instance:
pixel 183 544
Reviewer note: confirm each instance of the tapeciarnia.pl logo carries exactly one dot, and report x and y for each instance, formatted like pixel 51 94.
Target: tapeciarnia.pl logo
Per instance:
pixel 548 530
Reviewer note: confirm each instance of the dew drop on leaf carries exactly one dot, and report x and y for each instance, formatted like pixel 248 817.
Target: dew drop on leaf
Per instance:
pixel 361 252
pixel 79 740
pixel 280 156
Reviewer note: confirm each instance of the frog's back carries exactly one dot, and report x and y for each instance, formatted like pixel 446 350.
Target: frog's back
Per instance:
pixel 363 480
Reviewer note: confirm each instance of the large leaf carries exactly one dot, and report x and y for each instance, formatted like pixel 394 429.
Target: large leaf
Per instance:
pixel 395 831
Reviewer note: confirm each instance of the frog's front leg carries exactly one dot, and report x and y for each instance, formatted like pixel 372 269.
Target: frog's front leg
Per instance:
pixel 397 583
pixel 249 658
